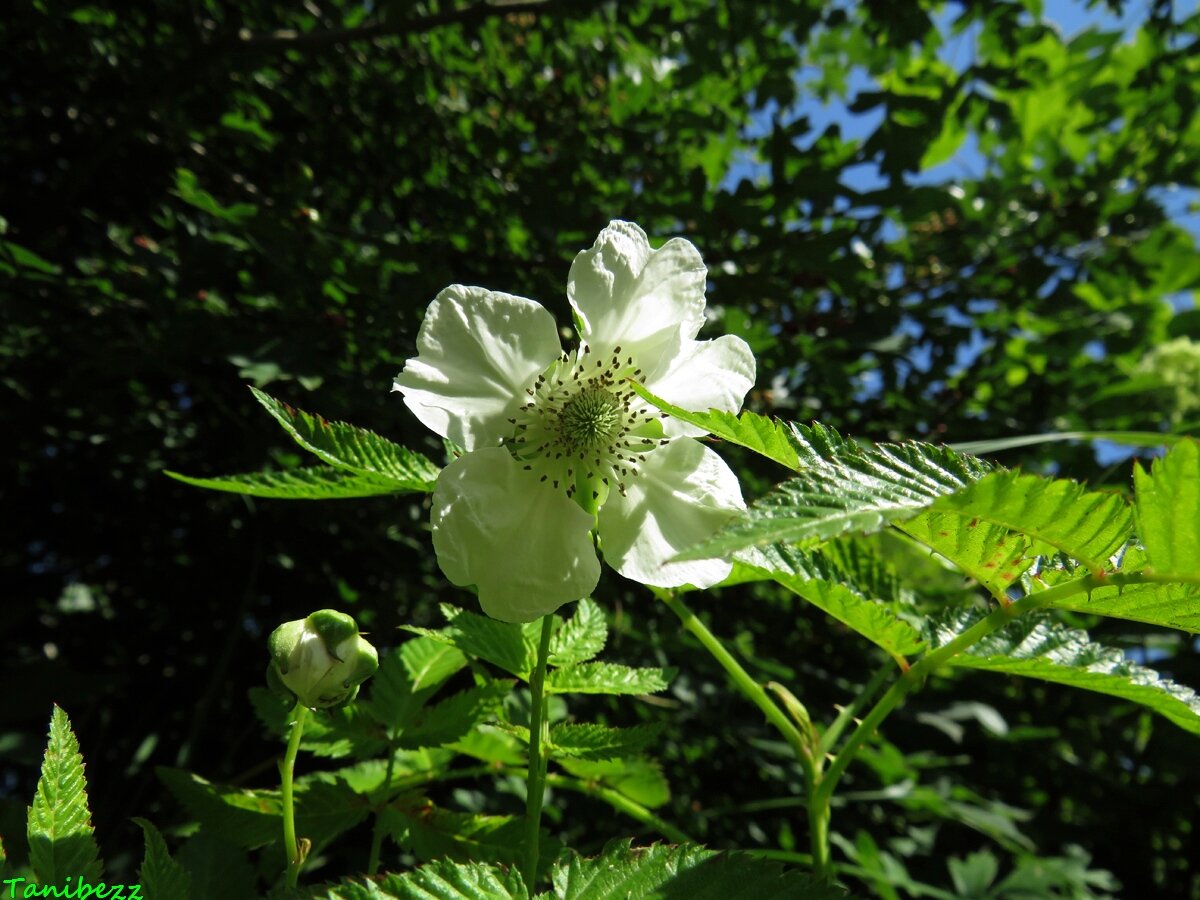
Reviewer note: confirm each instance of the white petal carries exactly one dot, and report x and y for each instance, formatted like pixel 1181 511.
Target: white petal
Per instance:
pixel 684 494
pixel 478 352
pixel 526 547
pixel 642 300
pixel 705 375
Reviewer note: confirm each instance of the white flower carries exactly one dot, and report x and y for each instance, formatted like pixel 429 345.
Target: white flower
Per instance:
pixel 560 445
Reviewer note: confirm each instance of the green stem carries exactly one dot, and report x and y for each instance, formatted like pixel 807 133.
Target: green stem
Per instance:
pixel 377 830
pixel 830 737
pixel 621 803
pixel 754 692
pixel 914 677
pixel 286 771
pixel 539 737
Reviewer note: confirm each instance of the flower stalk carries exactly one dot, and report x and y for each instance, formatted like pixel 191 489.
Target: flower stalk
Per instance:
pixel 539 738
pixel 296 851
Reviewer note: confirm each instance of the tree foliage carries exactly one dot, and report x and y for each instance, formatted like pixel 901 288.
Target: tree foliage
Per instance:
pixel 983 245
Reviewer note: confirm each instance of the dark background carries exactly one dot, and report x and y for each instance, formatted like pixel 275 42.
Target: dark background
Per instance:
pixel 203 195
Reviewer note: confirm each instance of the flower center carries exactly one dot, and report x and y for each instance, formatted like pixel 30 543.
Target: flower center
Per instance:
pixel 584 429
pixel 591 418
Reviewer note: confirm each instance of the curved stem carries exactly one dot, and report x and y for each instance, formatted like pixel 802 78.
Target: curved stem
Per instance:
pixel 286 772
pixel 830 737
pixel 915 677
pixel 754 692
pixel 539 737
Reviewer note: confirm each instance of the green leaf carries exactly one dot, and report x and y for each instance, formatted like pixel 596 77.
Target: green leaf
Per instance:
pixel 61 838
pixel 332 733
pixel 823 583
pixel 408 676
pixel 350 447
pixel 187 188
pixel 429 663
pixel 317 483
pixel 1087 525
pixel 581 637
pixel 844 487
pixel 429 832
pixel 1169 605
pixel 1037 647
pixel 767 437
pixel 684 872
pixel 607 678
pixel 989 553
pixel 1168 510
pixel 325 807
pixel 241 816
pixel 161 876
pixel 511 647
pixel 451 719
pixel 217 868
pixel 600 741
pixel 438 880
pixel 638 778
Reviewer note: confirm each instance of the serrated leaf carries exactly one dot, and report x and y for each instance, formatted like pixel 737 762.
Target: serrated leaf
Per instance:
pixel 317 483
pixel 989 553
pixel 251 818
pixel 438 880
pixel 451 719
pixel 821 582
pixel 844 487
pixel 408 676
pixel 62 843
pixel 349 447
pixel 429 832
pixel 1167 507
pixel 591 741
pixel 491 744
pixel 767 437
pixel 581 637
pixel 511 647
pixel 607 678
pixel 429 663
pixel 1170 605
pixel 683 872
pixel 1037 647
pixel 333 733
pixel 217 868
pixel 244 817
pixel 638 778
pixel 1087 525
pixel 161 876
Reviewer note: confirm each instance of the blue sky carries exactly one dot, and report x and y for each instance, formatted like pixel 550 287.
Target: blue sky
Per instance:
pixel 1069 16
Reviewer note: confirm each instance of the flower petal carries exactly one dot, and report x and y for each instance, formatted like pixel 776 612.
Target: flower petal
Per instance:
pixel 683 494
pixel 642 300
pixel 705 375
pixel 526 547
pixel 478 352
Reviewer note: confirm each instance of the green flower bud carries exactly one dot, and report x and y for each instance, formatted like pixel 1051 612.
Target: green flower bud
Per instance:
pixel 320 660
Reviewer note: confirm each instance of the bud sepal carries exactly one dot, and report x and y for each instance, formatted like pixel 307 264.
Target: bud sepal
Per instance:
pixel 320 660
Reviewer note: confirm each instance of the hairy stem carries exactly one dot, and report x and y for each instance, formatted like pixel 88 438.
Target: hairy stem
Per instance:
pixel 539 736
pixel 287 771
